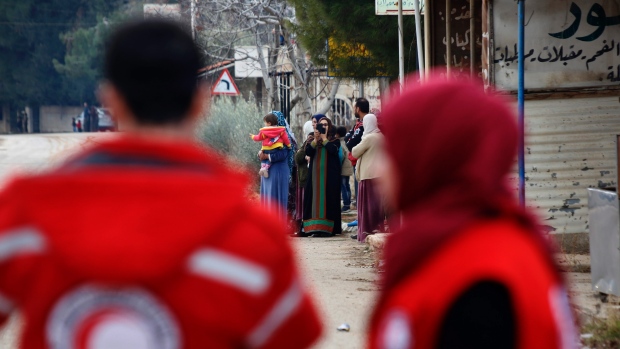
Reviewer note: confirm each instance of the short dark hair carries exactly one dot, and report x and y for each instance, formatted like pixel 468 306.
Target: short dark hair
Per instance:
pixel 341 131
pixel 153 64
pixel 363 104
pixel 271 119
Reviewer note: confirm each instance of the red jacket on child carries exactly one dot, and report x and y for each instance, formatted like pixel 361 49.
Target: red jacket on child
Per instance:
pixel 148 244
pixel 272 137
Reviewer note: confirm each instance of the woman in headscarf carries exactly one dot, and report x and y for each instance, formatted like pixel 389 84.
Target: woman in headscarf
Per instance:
pixel 468 267
pixel 274 190
pixel 301 165
pixel 322 194
pixel 370 206
pixel 291 206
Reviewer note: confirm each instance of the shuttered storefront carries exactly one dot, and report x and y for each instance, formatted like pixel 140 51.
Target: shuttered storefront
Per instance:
pixel 570 146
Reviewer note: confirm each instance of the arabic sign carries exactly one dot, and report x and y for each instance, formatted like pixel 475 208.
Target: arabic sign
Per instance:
pixel 459 37
pixel 568 44
pixel 390 7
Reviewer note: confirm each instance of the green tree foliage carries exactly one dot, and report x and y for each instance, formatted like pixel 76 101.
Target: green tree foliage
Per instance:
pixel 34 34
pixel 81 68
pixel 83 59
pixel 364 45
pixel 228 126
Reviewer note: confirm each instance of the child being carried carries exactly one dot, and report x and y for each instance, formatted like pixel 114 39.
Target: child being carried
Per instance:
pixel 273 138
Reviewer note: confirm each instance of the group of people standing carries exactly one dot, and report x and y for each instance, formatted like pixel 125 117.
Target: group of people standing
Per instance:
pixel 317 178
pixel 184 261
pixel 88 121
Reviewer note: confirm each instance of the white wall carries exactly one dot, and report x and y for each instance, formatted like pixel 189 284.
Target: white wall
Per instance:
pixel 5 123
pixel 58 118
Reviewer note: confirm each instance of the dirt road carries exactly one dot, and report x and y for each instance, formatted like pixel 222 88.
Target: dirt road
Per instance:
pixel 343 282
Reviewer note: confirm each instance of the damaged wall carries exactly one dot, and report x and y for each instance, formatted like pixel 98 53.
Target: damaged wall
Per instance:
pixel 570 146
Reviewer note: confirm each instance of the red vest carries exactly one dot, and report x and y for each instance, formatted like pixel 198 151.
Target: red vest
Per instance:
pixel 497 251
pixel 148 242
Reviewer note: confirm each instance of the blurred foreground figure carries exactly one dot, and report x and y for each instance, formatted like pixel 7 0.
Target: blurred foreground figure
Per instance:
pixel 146 241
pixel 468 267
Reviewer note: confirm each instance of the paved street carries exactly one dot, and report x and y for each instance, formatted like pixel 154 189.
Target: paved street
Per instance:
pixel 35 152
pixel 338 270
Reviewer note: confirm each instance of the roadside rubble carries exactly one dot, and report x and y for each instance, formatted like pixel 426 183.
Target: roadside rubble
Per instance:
pixel 344 328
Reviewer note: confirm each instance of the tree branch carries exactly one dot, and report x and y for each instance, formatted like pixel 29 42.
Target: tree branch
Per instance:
pixel 327 103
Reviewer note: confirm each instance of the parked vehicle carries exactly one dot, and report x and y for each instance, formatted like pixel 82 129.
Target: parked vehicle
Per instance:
pixel 106 123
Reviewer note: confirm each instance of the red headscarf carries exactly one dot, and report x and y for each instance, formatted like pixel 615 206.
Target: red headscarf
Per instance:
pixel 452 147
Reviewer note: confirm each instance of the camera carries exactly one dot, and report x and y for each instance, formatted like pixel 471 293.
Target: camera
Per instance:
pixel 321 128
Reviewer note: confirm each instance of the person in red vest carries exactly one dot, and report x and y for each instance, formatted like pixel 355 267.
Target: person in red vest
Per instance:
pixel 468 268
pixel 146 240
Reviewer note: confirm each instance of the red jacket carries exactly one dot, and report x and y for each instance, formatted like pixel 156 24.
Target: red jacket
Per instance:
pixel 272 137
pixel 152 242
pixel 412 314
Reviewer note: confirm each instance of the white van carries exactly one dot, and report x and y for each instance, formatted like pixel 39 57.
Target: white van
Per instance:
pixel 106 123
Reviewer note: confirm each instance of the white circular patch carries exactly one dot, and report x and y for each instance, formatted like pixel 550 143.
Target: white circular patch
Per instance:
pixel 396 332
pixel 98 318
pixel 120 331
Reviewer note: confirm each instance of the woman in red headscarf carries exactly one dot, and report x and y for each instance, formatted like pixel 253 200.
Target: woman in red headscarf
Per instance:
pixel 468 268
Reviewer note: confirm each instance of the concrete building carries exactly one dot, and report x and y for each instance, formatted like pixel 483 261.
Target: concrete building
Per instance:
pixel 572 110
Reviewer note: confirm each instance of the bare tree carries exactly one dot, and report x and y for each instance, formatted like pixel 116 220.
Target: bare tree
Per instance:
pixel 224 25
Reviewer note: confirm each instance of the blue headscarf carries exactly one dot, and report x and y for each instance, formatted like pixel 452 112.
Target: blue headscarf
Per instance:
pixel 291 137
pixel 318 117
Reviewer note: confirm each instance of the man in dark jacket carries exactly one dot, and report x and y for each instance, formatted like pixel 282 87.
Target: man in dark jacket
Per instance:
pixel 86 118
pixel 354 137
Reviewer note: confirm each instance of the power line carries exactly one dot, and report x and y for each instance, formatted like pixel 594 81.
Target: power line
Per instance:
pixel 40 24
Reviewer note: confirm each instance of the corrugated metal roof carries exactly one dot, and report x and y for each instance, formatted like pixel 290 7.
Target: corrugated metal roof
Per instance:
pixel 570 146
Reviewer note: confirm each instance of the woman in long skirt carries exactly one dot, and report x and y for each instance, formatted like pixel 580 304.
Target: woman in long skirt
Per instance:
pixel 291 206
pixel 275 190
pixel 322 195
pixel 301 164
pixel 370 206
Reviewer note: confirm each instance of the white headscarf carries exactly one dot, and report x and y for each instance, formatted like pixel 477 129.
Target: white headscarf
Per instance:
pixel 370 125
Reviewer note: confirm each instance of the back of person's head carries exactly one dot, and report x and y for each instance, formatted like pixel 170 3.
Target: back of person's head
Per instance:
pixel 271 119
pixel 341 131
pixel 363 104
pixel 469 139
pixel 153 64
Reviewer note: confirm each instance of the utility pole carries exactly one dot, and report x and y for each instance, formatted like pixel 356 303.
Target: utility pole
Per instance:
pixel 273 58
pixel 448 39
pixel 418 38
pixel 192 11
pixel 472 38
pixel 521 102
pixel 401 54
